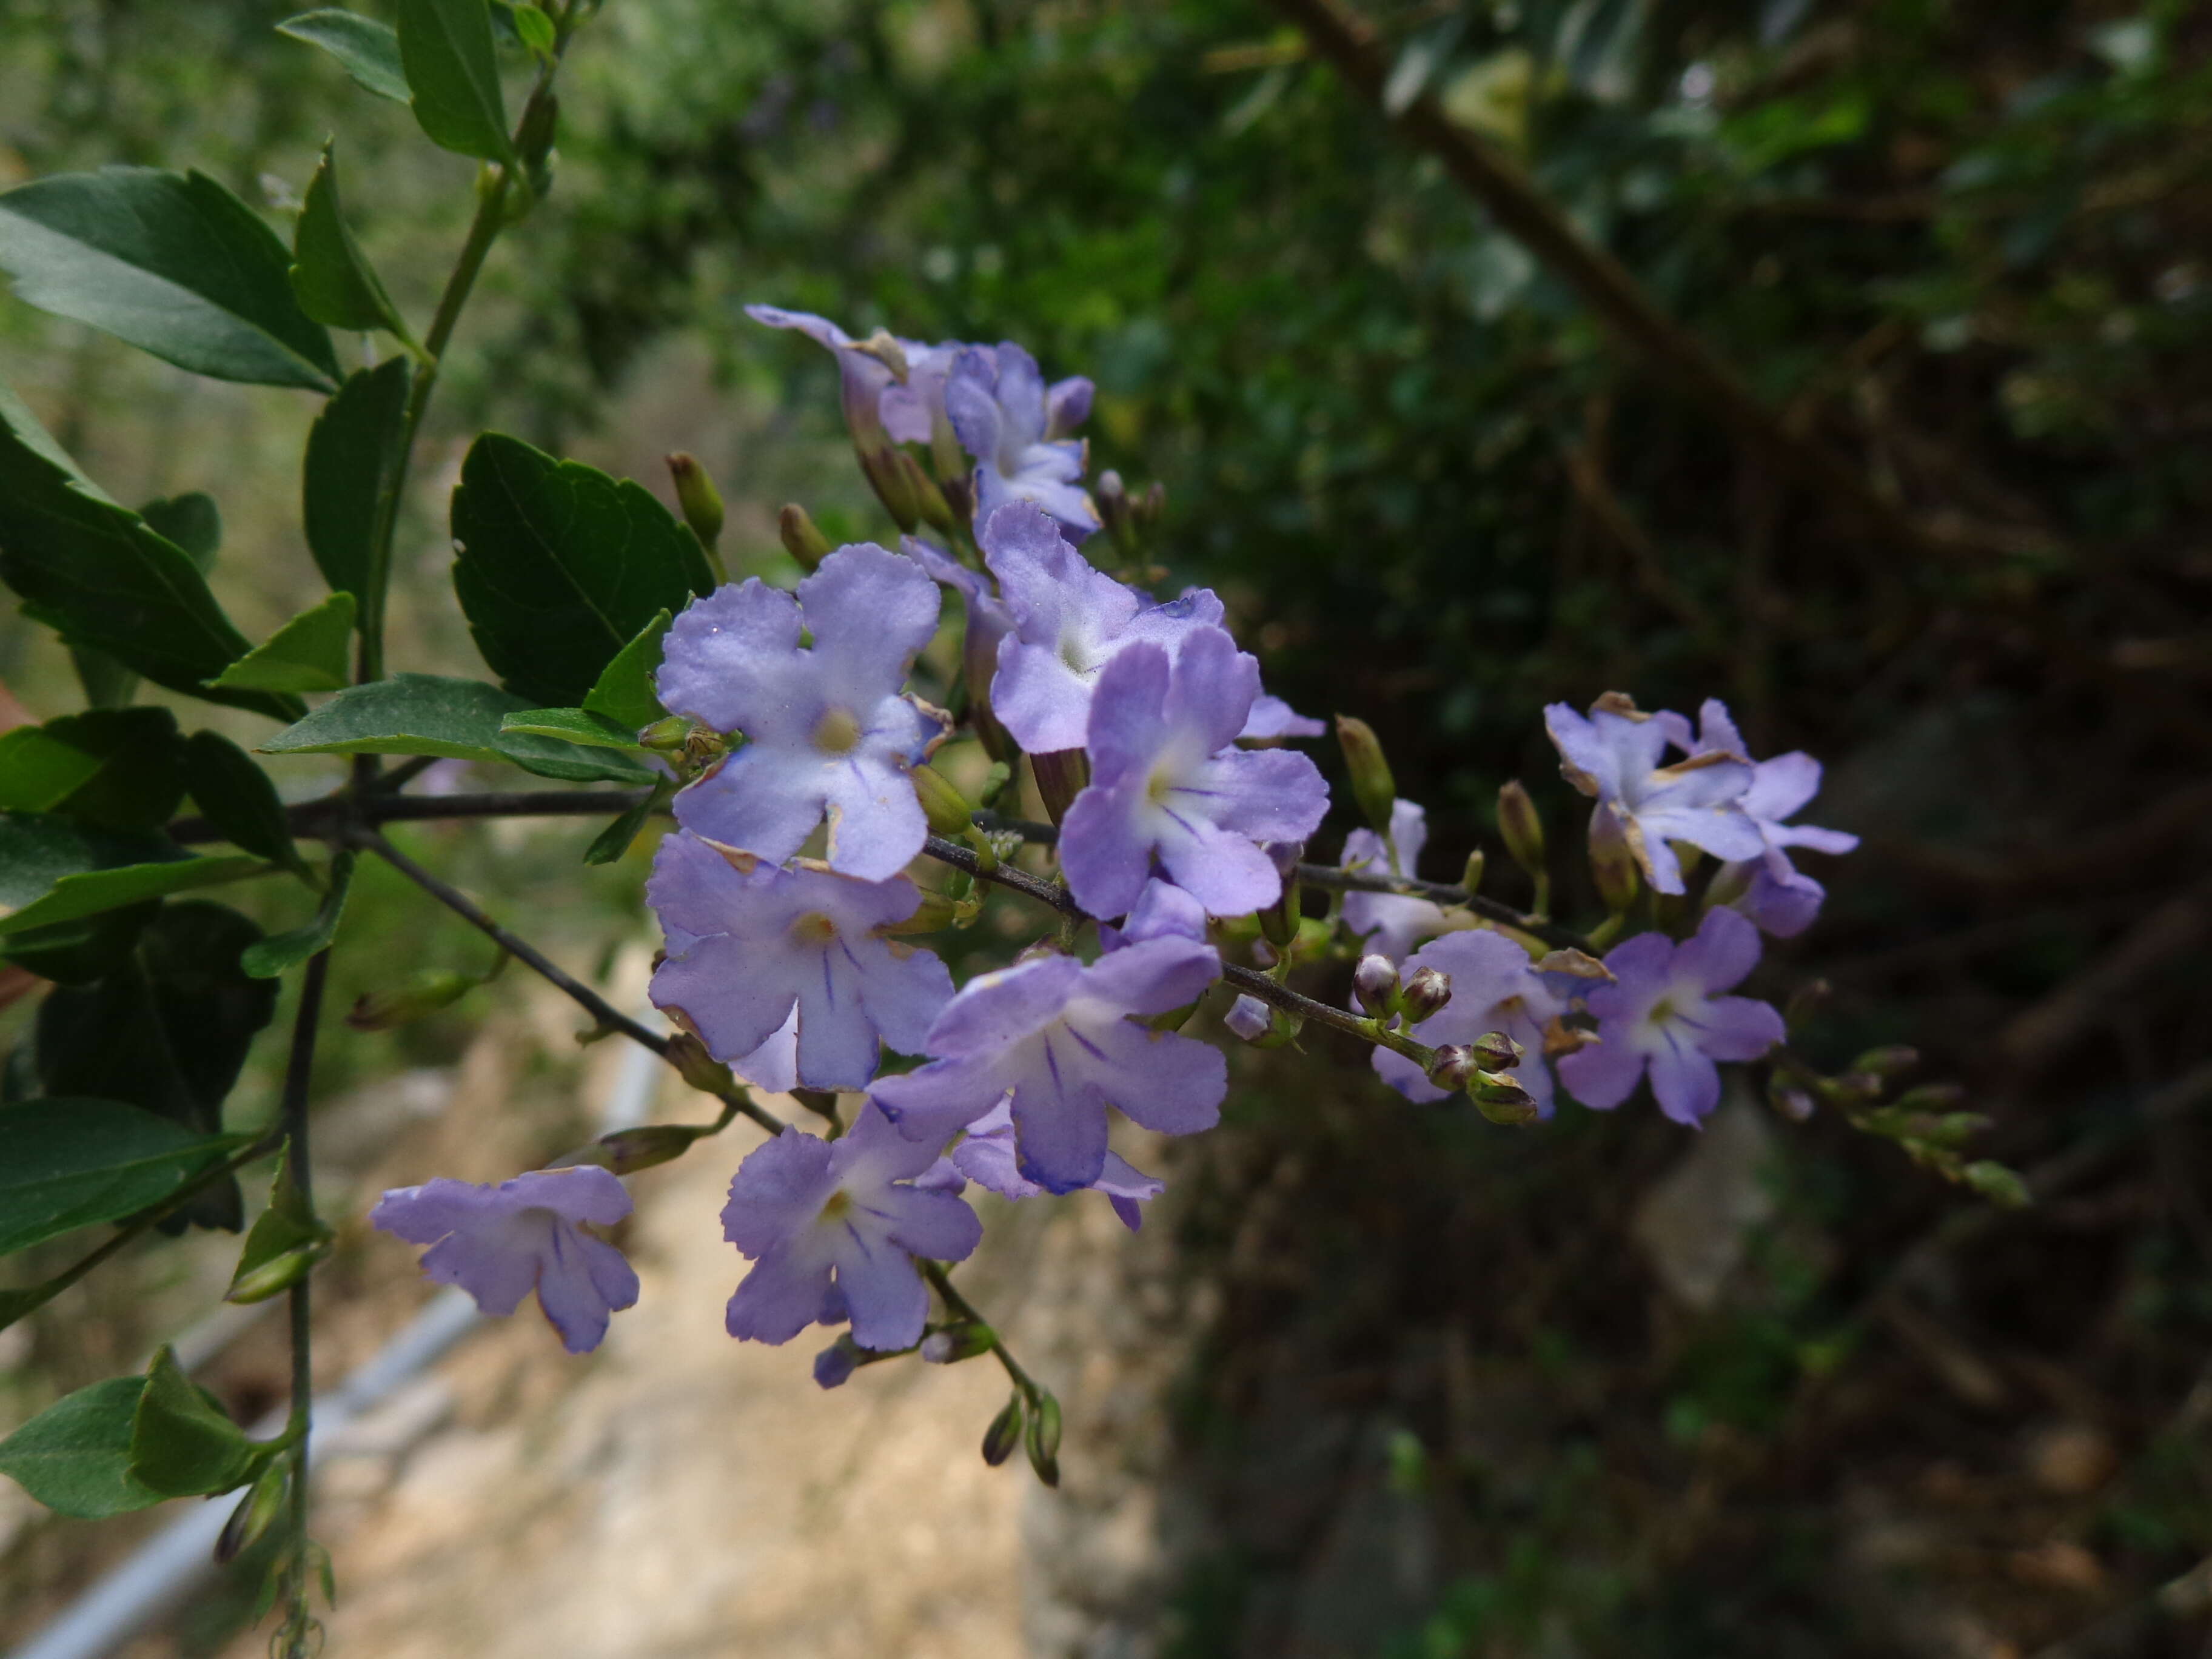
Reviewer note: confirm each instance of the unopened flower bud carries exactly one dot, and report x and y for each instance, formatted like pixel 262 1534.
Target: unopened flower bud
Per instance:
pixel 1004 1434
pixel 263 1502
pixel 625 1152
pixel 891 474
pixel 699 1068
pixel 1279 923
pixel 1375 982
pixel 1520 827
pixel 1998 1184
pixel 665 736
pixel 1062 774
pixel 428 992
pixel 1494 1051
pixel 952 1344
pixel 1153 507
pixel 1112 497
pixel 697 494
pixel 802 538
pixel 1470 879
pixel 1502 1099
pixel 1931 1097
pixel 1805 1001
pixel 277 1273
pixel 929 503
pixel 1247 1018
pixel 1792 1103
pixel 834 1365
pixel 1264 955
pixel 1044 1437
pixel 1893 1061
pixel 945 808
pixel 1424 993
pixel 1613 861
pixel 1453 1067
pixel 1372 786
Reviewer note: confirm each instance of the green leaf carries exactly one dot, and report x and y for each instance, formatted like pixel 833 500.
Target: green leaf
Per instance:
pixel 138 774
pixel 624 690
pixel 171 262
pixel 281 952
pixel 285 1241
pixel 75 1162
pixel 576 726
pixel 85 948
pixel 611 842
pixel 193 521
pixel 430 714
pixel 308 654
pixel 447 48
pixel 369 50
pixel 330 276
pixel 52 871
pixel 561 567
pixel 535 30
pixel 236 796
pixel 353 452
pixel 182 1444
pixel 75 1457
pixel 102 576
pixel 167 1032
pixel 39 770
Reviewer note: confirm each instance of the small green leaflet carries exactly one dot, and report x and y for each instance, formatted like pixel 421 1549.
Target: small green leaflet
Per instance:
pixel 104 577
pixel 331 276
pixel 611 842
pixel 353 450
pixel 75 1457
pixel 576 725
pixel 171 262
pixel 369 50
pixel 74 1164
pixel 137 775
pixel 624 692
pixel 193 522
pixel 182 1444
pixel 446 47
pixel 308 654
pixel 39 770
pixel 430 714
pixel 271 957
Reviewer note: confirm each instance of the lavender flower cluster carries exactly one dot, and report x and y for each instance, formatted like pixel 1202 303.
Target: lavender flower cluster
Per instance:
pixel 788 901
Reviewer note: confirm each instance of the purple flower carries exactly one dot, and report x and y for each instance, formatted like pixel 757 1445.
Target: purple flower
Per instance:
pixel 1069 619
pixel 1774 892
pixel 829 731
pixel 1271 717
pixel 986 1157
pixel 1615 753
pixel 1493 988
pixel 1167 781
pixel 833 1227
pixel 1391 923
pixel 1662 1010
pixel 1249 1019
pixel 879 407
pixel 751 945
pixel 1011 424
pixel 1162 910
pixel 1057 1034
pixel 499 1243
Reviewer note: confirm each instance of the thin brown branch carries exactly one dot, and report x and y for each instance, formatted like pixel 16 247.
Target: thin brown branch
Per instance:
pixel 1348 42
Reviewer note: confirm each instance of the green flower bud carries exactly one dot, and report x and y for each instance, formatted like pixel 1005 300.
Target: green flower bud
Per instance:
pixel 802 538
pixel 625 1152
pixel 1613 861
pixel 952 1344
pixel 1471 878
pixel 1502 1099
pixel 1424 993
pixel 1494 1051
pixel 1453 1068
pixel 1372 786
pixel 428 992
pixel 1375 982
pixel 665 736
pixel 1893 1061
pixel 1805 1001
pixel 1004 1434
pixel 945 808
pixel 689 1055
pixel 700 501
pixel 1521 828
pixel 263 1502
pixel 1044 1437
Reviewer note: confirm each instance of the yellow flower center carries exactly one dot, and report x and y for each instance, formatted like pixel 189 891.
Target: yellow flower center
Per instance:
pixel 837 732
pixel 813 928
pixel 839 1201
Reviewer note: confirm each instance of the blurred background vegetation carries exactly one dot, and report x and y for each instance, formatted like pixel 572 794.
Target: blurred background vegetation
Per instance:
pixel 1965 244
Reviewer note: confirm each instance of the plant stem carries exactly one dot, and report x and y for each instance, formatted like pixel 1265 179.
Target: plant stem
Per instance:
pixel 298 1075
pixel 496 183
pixel 605 1013
pixel 960 1307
